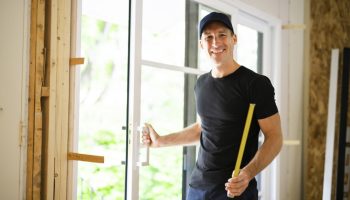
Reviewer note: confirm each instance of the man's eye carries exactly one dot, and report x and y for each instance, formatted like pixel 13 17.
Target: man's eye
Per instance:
pixel 208 38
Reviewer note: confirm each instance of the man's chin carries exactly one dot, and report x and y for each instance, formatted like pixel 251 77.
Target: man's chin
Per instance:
pixel 216 61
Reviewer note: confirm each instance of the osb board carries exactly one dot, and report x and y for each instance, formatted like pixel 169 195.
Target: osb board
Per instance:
pixel 330 28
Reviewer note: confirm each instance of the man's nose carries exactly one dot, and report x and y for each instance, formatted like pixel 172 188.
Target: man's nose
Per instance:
pixel 215 41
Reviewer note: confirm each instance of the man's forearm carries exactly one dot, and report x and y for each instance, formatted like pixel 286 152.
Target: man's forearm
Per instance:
pixel 188 135
pixel 265 155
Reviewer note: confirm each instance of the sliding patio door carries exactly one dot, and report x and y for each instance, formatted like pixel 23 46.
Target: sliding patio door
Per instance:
pixel 142 67
pixel 118 88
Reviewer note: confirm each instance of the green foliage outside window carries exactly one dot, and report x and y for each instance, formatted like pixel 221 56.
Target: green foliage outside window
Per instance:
pixel 102 114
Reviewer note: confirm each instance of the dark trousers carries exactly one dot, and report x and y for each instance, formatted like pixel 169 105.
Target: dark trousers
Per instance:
pixel 219 193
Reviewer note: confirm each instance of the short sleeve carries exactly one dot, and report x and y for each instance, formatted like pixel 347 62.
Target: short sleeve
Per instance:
pixel 262 94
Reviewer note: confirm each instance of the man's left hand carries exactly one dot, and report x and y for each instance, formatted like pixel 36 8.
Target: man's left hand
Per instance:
pixel 235 186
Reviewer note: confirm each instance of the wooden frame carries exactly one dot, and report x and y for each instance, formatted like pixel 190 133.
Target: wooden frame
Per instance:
pixel 48 118
pixel 62 96
pixel 36 76
pixel 58 38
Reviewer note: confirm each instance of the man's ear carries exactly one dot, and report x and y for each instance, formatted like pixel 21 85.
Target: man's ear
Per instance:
pixel 234 38
pixel 200 44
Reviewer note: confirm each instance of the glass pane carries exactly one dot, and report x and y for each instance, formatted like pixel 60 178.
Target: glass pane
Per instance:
pixel 163 31
pixel 249 48
pixel 203 61
pixel 162 105
pixel 249 54
pixel 102 102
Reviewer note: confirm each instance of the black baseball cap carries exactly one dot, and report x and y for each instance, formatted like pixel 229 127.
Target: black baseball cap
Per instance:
pixel 215 17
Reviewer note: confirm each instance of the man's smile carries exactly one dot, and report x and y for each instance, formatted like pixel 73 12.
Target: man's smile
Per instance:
pixel 217 51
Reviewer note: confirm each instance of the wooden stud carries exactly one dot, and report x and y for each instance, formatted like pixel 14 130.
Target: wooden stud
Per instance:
pixel 30 140
pixel 62 95
pixel 85 157
pixel 34 148
pixel 45 91
pixel 37 154
pixel 291 142
pixel 293 26
pixel 76 61
pixel 52 119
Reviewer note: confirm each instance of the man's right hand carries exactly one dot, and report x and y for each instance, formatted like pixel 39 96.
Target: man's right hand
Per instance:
pixel 150 138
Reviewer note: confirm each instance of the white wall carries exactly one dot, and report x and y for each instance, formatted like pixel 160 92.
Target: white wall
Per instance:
pixel 13 67
pixel 271 7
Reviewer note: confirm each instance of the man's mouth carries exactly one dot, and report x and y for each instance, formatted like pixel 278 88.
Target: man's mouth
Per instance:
pixel 217 51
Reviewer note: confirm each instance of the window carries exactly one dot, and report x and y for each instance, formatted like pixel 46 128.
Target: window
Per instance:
pixel 102 98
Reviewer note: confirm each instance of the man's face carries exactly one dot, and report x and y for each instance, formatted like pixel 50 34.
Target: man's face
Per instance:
pixel 218 41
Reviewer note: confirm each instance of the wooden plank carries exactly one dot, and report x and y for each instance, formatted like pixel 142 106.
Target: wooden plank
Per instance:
pixel 45 91
pixel 52 70
pixel 76 61
pixel 86 157
pixel 30 139
pixel 293 26
pixel 37 156
pixel 37 167
pixel 63 55
pixel 291 142
pixel 37 160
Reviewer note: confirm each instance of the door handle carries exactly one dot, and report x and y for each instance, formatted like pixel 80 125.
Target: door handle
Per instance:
pixel 144 162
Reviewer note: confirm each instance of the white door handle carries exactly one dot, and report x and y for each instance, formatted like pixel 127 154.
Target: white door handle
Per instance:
pixel 145 161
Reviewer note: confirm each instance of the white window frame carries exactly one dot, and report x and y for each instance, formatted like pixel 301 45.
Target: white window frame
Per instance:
pixel 239 12
pixel 136 63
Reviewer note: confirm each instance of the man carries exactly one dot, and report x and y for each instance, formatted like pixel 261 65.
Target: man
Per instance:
pixel 222 99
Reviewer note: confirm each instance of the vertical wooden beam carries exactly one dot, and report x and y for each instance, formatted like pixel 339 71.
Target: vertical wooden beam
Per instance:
pixel 34 152
pixel 30 141
pixel 47 173
pixel 62 96
pixel 52 73
pixel 37 157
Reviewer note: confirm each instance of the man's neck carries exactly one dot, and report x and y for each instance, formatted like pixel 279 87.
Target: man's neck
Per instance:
pixel 220 71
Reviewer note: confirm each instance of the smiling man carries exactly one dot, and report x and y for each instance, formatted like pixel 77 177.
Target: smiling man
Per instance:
pixel 223 96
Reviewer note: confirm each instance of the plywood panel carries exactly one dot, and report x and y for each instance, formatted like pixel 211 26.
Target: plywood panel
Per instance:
pixel 326 33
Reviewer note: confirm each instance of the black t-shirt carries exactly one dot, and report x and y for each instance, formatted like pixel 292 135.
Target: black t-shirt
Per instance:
pixel 222 104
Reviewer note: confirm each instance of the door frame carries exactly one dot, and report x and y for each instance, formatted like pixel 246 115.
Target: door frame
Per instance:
pixel 238 11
